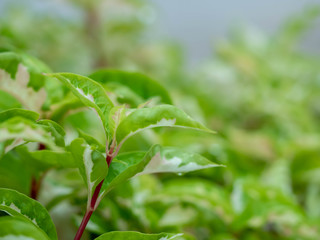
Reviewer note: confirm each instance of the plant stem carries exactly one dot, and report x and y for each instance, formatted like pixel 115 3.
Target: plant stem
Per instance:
pixel 83 225
pixel 35 185
pixel 93 206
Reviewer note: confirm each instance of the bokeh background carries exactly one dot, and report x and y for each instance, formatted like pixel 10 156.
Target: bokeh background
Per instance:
pixel 249 70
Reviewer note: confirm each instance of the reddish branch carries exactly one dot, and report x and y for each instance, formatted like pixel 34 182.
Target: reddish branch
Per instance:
pixel 93 206
pixel 36 184
pixel 35 187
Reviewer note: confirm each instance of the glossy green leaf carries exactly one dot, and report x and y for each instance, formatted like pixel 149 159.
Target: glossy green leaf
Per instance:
pixel 140 84
pixel 17 204
pixel 141 236
pixel 11 175
pixel 5 115
pixel 17 228
pixel 158 159
pixel 53 158
pixel 91 163
pixel 159 116
pixel 89 92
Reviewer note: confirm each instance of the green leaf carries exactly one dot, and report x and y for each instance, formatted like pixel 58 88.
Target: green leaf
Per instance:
pixel 117 114
pixel 140 84
pixel 21 77
pixel 91 163
pixel 62 109
pixel 53 158
pixel 124 95
pixel 21 129
pixel 9 62
pixel 7 101
pixel 16 228
pixel 89 92
pixel 158 159
pixel 17 204
pixel 91 141
pixel 11 175
pixel 159 116
pixel 11 113
pixel 141 236
pixel 55 129
pixel 5 115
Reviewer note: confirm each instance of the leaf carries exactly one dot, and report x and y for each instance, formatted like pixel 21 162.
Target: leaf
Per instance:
pixel 91 141
pixel 55 129
pixel 117 114
pixel 53 158
pixel 63 108
pixel 89 92
pixel 124 95
pixel 141 236
pixel 91 163
pixel 203 194
pixel 7 101
pixel 21 76
pixel 11 175
pixel 11 113
pixel 159 116
pixel 16 228
pixel 17 204
pixel 5 115
pixel 9 62
pixel 158 159
pixel 140 84
pixel 21 129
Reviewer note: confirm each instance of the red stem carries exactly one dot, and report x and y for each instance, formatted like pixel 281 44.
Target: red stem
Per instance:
pixel 83 224
pixel 92 207
pixel 36 184
pixel 35 187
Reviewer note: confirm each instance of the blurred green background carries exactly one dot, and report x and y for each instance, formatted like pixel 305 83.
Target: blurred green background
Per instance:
pixel 260 90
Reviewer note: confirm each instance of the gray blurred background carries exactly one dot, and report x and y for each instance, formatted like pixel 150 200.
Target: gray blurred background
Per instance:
pixel 199 25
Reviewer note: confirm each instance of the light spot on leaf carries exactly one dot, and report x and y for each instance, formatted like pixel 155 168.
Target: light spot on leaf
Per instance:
pixel 18 88
pixel 87 96
pixel 173 237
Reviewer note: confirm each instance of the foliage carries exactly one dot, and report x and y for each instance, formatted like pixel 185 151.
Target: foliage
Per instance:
pixel 41 143
pixel 259 93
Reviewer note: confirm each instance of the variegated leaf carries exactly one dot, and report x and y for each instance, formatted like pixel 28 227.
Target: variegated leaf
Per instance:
pixel 159 116
pixel 141 236
pixel 158 159
pixel 17 204
pixel 20 129
pixel 14 228
pixel 91 163
pixel 56 131
pixel 14 112
pixel 22 78
pixel 90 93
pixel 136 87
